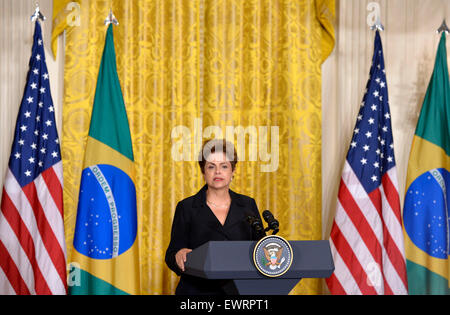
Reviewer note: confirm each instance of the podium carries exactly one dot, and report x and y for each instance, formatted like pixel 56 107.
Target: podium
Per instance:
pixel 232 261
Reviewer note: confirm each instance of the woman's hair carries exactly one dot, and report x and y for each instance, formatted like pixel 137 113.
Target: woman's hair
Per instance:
pixel 217 145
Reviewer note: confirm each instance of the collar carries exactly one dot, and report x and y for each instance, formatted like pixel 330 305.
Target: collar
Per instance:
pixel 200 198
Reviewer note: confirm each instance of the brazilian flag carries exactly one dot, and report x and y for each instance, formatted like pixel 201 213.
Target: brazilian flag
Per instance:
pixel 105 254
pixel 427 200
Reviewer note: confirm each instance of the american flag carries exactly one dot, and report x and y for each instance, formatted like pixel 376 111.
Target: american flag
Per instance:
pixel 32 243
pixel 366 238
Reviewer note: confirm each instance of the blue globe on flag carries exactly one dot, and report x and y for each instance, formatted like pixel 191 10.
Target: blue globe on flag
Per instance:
pixel 106 219
pixel 424 216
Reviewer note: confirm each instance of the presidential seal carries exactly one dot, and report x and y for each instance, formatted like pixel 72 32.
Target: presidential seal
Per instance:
pixel 272 256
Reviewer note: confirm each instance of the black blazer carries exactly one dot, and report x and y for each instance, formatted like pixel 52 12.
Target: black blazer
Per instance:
pixel 194 224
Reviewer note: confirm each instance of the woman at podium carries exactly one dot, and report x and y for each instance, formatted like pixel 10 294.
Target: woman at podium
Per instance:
pixel 215 213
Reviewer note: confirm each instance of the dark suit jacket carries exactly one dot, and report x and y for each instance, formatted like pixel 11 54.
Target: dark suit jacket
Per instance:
pixel 194 224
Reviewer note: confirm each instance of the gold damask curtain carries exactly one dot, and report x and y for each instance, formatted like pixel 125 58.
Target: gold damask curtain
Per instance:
pixel 191 70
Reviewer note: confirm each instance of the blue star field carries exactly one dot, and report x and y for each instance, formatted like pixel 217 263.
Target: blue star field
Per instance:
pixel 106 217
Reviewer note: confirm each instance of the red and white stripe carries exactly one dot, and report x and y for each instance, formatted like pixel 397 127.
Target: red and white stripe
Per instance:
pixel 32 242
pixel 367 239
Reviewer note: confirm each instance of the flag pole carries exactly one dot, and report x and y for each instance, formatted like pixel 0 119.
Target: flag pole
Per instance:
pixel 111 19
pixel 377 25
pixel 37 15
pixel 375 8
pixel 443 28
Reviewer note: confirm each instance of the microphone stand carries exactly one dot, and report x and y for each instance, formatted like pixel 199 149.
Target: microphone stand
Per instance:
pixel 275 230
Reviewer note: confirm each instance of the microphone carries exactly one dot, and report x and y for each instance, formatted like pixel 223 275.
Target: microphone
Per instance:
pixel 273 223
pixel 257 226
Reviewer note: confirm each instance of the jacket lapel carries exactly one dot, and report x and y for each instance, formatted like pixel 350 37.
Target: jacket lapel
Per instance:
pixel 235 214
pixel 209 218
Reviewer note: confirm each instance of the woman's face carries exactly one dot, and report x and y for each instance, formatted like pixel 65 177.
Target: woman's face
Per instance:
pixel 218 171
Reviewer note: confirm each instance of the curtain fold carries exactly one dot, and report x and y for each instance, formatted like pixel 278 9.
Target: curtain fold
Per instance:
pixel 192 70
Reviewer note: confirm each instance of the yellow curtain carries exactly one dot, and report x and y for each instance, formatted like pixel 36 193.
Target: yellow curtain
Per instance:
pixel 191 70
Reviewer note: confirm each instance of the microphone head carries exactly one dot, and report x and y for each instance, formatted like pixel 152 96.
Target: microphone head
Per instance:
pixel 255 223
pixel 251 220
pixel 267 215
pixel 270 219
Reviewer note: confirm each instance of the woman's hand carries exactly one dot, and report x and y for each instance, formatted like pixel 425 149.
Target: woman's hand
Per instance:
pixel 180 257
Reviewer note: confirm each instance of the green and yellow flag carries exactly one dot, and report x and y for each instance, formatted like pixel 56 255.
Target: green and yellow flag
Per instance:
pixel 105 255
pixel 426 210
